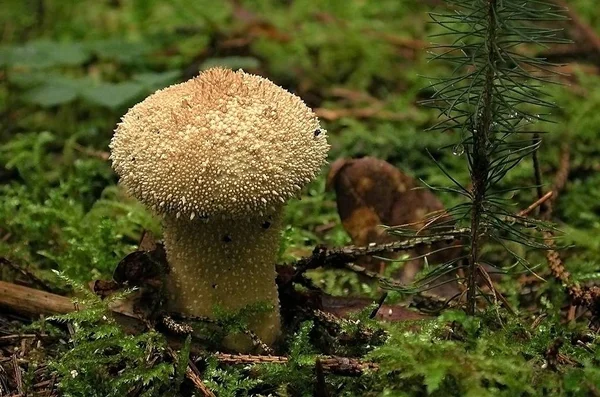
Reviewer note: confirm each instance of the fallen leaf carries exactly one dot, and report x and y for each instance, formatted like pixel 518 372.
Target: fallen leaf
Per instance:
pixel 342 306
pixel 145 269
pixel 371 193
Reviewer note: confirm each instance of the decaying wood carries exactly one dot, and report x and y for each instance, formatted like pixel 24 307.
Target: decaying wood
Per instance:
pixel 321 389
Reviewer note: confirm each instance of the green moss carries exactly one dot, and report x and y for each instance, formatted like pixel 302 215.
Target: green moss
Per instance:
pixel 60 207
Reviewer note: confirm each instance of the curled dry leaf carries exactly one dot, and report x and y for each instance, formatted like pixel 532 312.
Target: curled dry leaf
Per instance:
pixel 371 193
pixel 144 269
pixel 146 265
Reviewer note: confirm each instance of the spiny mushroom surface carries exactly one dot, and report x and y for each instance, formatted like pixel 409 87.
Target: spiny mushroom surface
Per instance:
pixel 224 144
pixel 217 157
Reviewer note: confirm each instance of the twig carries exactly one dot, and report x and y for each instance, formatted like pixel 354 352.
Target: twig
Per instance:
pixel 543 198
pixel 486 277
pixel 227 358
pixel 379 304
pixel 186 328
pixel 42 285
pixel 192 373
pixel 321 385
pixel 18 374
pixel 388 282
pixel 537 172
pixel 339 257
pixel 345 256
pixel 333 364
pixel 176 327
pixel 580 295
pixel 256 341
pixel 562 175
pixel 91 152
pixel 347 366
pixel 362 113
pixel 586 30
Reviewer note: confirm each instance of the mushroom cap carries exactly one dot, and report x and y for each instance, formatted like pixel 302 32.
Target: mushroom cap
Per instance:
pixel 226 144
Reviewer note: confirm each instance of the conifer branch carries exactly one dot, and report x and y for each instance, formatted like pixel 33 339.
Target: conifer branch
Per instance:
pixel 493 94
pixel 479 156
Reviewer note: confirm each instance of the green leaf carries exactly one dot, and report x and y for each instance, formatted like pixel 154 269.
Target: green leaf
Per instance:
pixel 112 95
pixel 155 81
pixel 44 54
pixel 51 94
pixel 28 79
pixel 69 54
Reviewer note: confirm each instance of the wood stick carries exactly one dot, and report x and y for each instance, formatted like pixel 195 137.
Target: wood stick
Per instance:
pixel 539 202
pixel 33 302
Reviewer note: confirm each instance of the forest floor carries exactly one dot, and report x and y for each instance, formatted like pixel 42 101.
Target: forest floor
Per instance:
pixel 70 70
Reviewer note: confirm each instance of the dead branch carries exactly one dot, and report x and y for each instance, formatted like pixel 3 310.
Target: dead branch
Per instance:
pixel 226 358
pixel 192 373
pixel 344 257
pixel 539 202
pixel 347 366
pixel 580 295
pixel 340 257
pixel 373 112
pixel 184 327
pixel 32 301
pixel 26 273
pixel 332 364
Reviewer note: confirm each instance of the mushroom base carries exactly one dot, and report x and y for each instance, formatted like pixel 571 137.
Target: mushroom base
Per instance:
pixel 225 265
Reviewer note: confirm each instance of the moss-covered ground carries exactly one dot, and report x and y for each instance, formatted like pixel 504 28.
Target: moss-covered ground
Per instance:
pixel 70 69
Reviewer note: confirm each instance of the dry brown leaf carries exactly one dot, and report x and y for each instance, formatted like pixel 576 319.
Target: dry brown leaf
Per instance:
pixel 371 193
pixel 342 306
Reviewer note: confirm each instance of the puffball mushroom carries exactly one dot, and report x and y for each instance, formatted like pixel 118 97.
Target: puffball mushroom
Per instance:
pixel 217 157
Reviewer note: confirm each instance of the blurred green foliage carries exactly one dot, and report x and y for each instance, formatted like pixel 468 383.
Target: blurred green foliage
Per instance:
pixel 70 69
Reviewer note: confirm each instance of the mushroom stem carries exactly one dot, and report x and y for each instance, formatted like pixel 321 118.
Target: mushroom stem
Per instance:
pixel 227 264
